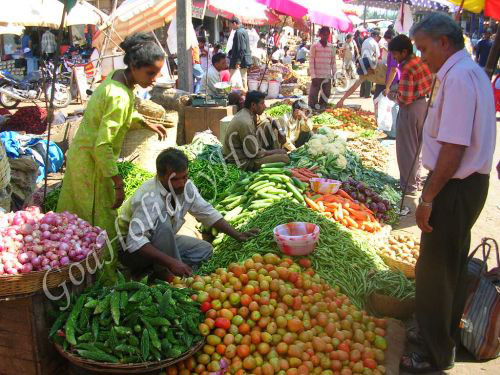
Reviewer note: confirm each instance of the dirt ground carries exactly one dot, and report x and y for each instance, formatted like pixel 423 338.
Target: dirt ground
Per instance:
pixel 486 226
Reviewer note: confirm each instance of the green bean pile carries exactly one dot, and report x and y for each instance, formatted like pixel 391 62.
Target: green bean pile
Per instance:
pixel 213 178
pixel 339 258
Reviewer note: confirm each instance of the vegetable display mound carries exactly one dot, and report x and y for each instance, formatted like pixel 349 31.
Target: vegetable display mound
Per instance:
pixel 278 110
pixel 130 322
pixel 247 197
pixel 204 145
pixel 271 315
pixel 339 258
pixel 133 177
pixel 325 152
pixel 356 120
pixel 213 178
pixel 33 241
pixel 371 153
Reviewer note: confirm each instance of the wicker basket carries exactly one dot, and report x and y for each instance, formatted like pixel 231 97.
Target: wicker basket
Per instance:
pixel 407 268
pixel 387 306
pixel 4 168
pixel 133 368
pixel 27 283
pixel 149 108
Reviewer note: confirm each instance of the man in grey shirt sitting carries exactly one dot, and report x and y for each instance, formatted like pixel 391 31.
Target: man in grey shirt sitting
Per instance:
pixel 150 219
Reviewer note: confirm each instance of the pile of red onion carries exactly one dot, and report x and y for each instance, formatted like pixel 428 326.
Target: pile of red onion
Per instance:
pixel 33 241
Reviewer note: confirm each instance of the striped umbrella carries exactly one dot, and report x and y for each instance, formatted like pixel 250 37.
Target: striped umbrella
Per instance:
pixel 133 16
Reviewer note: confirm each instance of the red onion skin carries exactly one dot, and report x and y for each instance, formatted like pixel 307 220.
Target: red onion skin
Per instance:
pixel 64 261
pixel 27 268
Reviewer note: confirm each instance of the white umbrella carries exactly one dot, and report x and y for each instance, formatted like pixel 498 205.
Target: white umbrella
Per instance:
pixel 136 15
pixel 11 29
pixel 48 13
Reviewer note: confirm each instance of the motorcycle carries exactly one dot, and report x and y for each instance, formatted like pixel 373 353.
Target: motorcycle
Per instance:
pixel 14 90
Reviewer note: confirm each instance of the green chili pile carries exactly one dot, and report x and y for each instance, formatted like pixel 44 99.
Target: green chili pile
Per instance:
pixel 339 258
pixel 212 179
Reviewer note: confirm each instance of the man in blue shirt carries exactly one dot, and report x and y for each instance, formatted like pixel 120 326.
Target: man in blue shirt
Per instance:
pixel 27 49
pixel 483 49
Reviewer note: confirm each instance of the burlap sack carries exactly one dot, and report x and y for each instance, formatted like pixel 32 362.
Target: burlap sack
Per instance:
pixel 5 199
pixel 24 172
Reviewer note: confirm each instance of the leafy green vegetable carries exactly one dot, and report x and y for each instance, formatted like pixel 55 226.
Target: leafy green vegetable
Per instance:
pixel 278 110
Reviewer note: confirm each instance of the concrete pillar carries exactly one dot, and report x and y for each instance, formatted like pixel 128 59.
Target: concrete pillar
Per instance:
pixel 184 54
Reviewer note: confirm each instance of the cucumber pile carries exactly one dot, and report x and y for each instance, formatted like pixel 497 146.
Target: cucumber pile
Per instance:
pixel 131 322
pixel 262 189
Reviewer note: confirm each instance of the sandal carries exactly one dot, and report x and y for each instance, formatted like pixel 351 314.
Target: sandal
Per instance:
pixel 416 363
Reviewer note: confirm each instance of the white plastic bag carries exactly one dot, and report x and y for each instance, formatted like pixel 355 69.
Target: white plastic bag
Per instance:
pixel 384 112
pixel 237 80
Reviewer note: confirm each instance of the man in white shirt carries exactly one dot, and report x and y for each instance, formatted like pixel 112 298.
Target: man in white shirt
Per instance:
pixel 150 219
pixel 370 47
pixel 458 144
pixel 219 63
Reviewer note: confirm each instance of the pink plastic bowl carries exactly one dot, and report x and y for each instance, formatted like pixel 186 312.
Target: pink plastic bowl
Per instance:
pixel 297 238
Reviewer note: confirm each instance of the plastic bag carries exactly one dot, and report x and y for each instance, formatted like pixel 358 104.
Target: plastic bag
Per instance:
pixel 384 115
pixel 237 80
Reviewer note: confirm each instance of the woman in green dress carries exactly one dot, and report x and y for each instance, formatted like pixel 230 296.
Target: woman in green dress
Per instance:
pixel 92 187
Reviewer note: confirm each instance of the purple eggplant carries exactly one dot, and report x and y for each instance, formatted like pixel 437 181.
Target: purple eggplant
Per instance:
pixel 361 187
pixel 374 207
pixel 381 207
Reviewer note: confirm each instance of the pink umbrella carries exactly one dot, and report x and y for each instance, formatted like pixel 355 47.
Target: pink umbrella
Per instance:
pixel 332 15
pixel 289 7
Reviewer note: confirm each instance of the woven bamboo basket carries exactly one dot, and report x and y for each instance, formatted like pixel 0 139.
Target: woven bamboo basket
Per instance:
pixel 168 120
pixel 407 268
pixel 149 108
pixel 4 168
pixel 31 282
pixel 142 146
pixel 387 306
pixel 133 368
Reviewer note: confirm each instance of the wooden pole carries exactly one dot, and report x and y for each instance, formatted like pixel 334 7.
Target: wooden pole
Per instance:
pixel 50 115
pixel 184 53
pixel 492 61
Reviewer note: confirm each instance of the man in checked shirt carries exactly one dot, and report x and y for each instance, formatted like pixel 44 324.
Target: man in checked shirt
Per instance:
pixel 414 85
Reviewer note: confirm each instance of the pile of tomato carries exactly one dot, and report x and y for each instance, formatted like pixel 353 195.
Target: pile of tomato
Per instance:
pixel 270 315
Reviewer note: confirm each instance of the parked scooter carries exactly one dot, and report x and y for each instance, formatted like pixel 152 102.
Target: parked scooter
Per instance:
pixel 14 90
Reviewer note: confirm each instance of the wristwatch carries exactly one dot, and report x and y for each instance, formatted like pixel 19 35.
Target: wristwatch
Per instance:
pixel 421 202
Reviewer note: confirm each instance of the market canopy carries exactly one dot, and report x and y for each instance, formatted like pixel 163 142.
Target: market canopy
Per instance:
pixel 491 7
pixel 133 16
pixel 48 13
pixel 331 15
pixel 11 29
pixel 248 11
pixel 438 5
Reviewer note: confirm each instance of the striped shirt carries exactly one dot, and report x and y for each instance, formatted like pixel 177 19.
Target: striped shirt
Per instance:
pixel 415 81
pixel 322 61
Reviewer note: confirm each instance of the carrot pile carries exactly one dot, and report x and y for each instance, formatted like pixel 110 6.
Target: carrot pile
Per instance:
pixel 343 209
pixel 304 174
